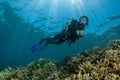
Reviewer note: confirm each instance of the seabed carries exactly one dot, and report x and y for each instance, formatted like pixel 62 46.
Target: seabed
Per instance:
pixel 95 64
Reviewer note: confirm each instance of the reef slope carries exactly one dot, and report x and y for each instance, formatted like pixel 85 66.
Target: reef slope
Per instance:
pixel 96 64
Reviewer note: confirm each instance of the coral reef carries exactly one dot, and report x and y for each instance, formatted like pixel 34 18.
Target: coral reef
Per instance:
pixel 95 64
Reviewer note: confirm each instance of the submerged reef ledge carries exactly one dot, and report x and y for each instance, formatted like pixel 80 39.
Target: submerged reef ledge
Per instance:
pixel 96 64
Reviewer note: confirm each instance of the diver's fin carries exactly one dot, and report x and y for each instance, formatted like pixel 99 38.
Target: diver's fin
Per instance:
pixel 37 46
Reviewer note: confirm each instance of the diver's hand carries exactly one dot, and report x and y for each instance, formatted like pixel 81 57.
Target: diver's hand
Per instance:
pixel 80 32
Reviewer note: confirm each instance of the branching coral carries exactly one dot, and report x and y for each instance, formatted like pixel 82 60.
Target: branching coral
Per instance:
pixel 114 44
pixel 95 64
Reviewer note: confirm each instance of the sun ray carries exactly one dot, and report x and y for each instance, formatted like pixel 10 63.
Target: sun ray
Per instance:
pixel 53 8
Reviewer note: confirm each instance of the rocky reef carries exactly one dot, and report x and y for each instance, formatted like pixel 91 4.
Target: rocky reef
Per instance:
pixel 96 64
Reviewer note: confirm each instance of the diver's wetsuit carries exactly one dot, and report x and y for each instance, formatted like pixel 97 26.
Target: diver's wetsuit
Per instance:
pixel 68 34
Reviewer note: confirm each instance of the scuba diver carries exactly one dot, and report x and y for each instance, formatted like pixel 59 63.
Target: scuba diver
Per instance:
pixel 72 31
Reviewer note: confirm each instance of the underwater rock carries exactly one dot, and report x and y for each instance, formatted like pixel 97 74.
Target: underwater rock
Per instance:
pixel 95 64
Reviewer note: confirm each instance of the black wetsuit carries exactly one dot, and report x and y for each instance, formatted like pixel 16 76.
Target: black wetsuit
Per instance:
pixel 69 35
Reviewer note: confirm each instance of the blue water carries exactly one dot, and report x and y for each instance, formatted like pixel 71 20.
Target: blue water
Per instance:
pixel 25 22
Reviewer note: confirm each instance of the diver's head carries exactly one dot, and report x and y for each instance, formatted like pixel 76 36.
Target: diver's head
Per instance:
pixel 84 20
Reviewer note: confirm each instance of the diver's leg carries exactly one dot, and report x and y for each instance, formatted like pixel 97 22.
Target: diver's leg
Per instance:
pixel 55 40
pixel 47 41
pixel 58 36
pixel 50 40
pixel 60 41
pixel 44 39
pixel 71 41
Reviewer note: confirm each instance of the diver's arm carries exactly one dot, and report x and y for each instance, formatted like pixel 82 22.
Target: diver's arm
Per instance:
pixel 80 32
